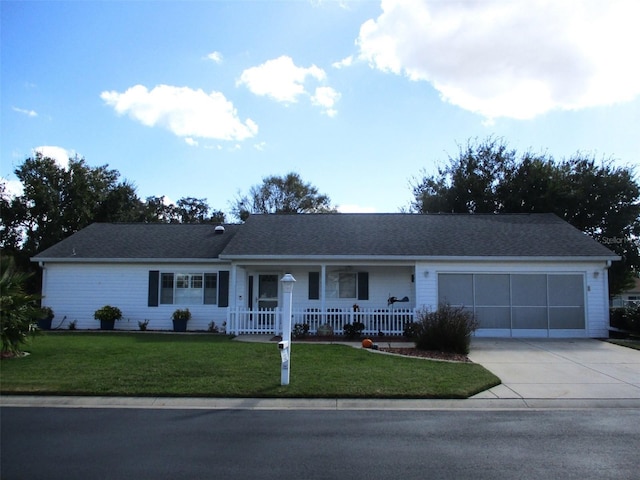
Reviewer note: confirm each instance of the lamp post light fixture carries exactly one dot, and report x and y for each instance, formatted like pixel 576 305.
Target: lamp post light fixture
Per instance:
pixel 285 345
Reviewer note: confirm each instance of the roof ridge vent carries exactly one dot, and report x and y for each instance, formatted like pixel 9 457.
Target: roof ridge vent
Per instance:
pixel 219 230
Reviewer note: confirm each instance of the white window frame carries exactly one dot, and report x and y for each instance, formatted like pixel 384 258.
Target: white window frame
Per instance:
pixel 188 288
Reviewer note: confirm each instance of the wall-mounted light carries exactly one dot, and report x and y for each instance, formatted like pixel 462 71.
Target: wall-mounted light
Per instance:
pixel 426 273
pixel 596 274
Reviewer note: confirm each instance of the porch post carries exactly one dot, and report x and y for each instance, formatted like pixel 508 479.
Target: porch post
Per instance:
pixel 323 289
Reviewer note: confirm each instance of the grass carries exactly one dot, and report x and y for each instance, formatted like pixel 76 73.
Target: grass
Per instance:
pixel 626 342
pixel 153 364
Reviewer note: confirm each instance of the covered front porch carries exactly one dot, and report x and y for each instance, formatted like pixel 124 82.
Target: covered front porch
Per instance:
pixel 331 321
pixel 326 297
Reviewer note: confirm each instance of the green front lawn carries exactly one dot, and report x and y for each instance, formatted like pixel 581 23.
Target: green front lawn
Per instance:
pixel 626 342
pixel 155 364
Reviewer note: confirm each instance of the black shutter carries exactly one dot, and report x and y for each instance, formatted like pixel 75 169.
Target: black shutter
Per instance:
pixel 314 285
pixel 223 288
pixel 363 285
pixel 154 280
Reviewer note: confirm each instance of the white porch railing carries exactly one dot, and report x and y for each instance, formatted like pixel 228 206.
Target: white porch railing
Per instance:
pixel 376 321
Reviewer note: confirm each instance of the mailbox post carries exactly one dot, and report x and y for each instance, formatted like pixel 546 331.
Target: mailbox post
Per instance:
pixel 285 345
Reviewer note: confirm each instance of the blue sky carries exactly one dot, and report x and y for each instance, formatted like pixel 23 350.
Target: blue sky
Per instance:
pixel 206 98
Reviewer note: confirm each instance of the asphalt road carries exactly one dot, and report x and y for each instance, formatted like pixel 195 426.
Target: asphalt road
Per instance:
pixel 81 443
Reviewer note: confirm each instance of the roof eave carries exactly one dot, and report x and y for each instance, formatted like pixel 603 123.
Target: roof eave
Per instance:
pixel 477 258
pixel 125 260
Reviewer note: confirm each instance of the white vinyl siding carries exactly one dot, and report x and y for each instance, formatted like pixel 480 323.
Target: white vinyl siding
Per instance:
pixel 76 291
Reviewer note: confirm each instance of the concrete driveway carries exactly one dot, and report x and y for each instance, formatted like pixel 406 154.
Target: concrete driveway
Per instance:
pixel 558 368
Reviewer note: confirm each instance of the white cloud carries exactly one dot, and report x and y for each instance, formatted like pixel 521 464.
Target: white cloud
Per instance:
pixel 345 62
pixel 215 56
pixel 13 188
pixel 279 79
pixel 183 111
pixel 260 146
pixel 516 59
pixel 59 154
pixel 326 97
pixel 191 142
pixel 283 81
pixel 28 113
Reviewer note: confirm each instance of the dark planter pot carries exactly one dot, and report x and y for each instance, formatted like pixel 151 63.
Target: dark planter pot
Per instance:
pixel 44 323
pixel 107 324
pixel 180 325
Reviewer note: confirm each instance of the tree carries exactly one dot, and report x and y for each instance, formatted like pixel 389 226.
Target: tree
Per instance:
pixel 196 210
pixel 186 210
pixel 287 194
pixel 157 210
pixel 57 202
pixel 596 197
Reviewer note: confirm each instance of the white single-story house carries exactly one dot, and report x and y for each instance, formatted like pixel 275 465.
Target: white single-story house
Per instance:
pixel 628 297
pixel 522 274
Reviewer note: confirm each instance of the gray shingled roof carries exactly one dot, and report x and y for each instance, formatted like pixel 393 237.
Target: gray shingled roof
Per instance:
pixel 440 235
pixel 142 241
pixel 329 235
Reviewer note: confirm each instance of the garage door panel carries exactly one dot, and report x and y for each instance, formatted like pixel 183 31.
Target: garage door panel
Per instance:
pixel 455 289
pixel 493 317
pixel 566 290
pixel 529 290
pixel 530 318
pixel 492 290
pixel 566 318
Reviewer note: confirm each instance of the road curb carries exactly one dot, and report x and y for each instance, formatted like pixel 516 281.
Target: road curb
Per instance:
pixel 312 403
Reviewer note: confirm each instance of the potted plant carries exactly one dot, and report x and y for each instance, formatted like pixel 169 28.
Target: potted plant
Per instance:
pixel 107 316
pixel 180 319
pixel 44 323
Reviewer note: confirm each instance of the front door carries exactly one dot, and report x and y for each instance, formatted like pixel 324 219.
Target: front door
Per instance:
pixel 267 291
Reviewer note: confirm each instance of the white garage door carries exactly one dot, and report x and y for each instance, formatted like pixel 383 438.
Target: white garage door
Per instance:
pixel 519 304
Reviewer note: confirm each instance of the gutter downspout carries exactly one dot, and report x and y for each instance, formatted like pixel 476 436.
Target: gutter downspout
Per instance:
pixel 43 287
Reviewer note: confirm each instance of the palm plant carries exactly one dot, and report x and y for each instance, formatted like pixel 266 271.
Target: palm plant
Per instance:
pixel 18 310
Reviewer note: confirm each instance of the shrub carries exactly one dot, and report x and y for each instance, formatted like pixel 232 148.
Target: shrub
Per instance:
pixel 300 330
pixel 626 318
pixel 448 329
pixel 410 330
pixel 353 330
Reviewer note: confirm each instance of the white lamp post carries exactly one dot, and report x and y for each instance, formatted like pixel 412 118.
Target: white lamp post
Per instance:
pixel 285 344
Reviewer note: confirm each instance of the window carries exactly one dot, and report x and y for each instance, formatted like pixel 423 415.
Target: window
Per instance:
pixel 166 288
pixel 341 285
pixel 210 289
pixel 189 288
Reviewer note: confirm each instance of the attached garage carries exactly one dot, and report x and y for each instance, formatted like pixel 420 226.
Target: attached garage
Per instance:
pixel 519 304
